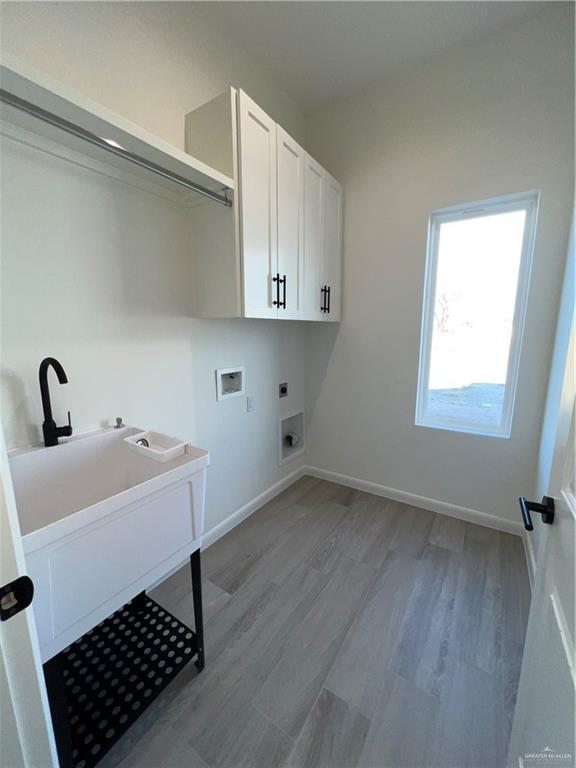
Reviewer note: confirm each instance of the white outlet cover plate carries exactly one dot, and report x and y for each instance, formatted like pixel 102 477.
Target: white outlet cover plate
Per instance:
pixel 221 376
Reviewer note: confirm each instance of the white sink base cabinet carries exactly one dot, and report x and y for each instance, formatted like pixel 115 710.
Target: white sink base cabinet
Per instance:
pixel 101 524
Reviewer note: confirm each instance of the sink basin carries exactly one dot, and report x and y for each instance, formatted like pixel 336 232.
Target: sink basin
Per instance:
pixel 100 523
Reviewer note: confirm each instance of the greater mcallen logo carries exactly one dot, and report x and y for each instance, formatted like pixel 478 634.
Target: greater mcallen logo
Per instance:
pixel 548 754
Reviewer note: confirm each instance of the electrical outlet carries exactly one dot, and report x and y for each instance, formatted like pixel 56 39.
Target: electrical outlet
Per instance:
pixel 250 405
pixel 283 389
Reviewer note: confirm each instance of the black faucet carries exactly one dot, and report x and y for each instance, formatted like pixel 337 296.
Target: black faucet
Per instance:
pixel 49 429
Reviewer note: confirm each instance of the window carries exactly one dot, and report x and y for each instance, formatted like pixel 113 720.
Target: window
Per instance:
pixel 477 273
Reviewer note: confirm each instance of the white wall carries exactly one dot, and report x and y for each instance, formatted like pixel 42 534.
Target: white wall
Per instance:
pixel 494 118
pixel 150 61
pixel 97 273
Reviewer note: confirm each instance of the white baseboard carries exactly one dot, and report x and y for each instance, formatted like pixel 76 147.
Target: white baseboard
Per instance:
pixel 434 505
pixel 241 514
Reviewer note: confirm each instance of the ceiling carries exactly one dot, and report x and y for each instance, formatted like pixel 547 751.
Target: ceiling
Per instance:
pixel 324 51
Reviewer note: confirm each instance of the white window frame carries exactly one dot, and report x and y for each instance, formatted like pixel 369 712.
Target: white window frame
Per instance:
pixel 524 201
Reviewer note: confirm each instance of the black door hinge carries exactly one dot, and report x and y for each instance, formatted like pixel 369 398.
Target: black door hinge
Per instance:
pixel 15 596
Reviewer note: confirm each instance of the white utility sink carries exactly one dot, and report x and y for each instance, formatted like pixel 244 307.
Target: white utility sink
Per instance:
pixel 100 523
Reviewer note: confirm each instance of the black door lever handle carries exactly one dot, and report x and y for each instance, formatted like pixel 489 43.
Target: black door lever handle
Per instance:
pixel 546 509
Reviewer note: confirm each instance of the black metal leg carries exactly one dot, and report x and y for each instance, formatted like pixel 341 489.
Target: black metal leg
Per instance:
pixel 197 595
pixel 54 677
pixel 139 602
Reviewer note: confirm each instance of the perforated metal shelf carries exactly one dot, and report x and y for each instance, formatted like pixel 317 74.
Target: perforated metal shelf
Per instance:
pixel 114 672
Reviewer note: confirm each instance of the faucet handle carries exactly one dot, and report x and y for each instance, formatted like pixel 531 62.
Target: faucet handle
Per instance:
pixel 66 431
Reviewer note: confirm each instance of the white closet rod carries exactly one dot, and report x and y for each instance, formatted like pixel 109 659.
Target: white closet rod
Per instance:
pixel 91 138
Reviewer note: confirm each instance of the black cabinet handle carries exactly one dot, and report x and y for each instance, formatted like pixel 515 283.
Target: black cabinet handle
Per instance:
pixel 323 302
pixel 546 509
pixel 283 292
pixel 329 289
pixel 277 281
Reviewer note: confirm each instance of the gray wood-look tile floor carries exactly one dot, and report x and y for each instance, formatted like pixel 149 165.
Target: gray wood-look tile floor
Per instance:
pixel 343 629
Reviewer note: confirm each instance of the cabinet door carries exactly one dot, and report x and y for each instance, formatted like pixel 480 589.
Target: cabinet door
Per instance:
pixel 313 238
pixel 332 253
pixel 257 171
pixel 290 161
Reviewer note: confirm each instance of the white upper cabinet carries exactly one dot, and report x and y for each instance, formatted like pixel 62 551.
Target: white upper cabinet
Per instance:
pixel 313 238
pixel 322 244
pixel 258 205
pixel 277 252
pixel 290 198
pixel 331 279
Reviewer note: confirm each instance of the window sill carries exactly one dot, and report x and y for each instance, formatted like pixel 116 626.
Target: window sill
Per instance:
pixel 463 429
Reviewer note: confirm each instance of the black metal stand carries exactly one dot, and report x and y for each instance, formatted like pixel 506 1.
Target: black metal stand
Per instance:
pixel 54 676
pixel 99 686
pixel 196 573
pixel 139 602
